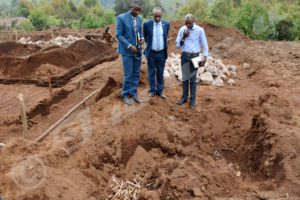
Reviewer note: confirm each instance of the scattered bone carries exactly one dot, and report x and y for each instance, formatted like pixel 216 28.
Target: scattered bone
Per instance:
pixel 213 73
pixel 2 145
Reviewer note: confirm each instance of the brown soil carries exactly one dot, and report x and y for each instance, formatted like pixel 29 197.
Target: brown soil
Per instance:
pixel 17 50
pixel 52 60
pixel 241 142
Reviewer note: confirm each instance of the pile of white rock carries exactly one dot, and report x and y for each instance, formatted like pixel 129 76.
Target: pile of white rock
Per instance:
pixel 213 73
pixel 55 41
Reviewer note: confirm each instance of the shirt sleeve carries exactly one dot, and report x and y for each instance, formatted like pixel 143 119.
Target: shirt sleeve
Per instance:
pixel 119 33
pixel 204 43
pixel 179 36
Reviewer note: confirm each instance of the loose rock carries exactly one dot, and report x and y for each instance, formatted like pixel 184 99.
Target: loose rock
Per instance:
pixel 206 78
pixel 213 73
pixel 231 82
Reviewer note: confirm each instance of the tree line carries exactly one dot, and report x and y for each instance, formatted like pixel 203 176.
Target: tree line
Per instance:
pixel 262 20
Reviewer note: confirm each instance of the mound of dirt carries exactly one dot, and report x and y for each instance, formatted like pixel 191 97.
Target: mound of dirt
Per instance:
pixel 87 49
pixel 17 50
pixel 215 34
pixel 57 57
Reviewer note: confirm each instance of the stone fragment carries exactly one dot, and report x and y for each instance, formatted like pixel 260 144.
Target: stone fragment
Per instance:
pixel 206 78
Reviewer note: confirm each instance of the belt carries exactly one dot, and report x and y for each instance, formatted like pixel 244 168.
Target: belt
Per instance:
pixel 157 51
pixel 190 54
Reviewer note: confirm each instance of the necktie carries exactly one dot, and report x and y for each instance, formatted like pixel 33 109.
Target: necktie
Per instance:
pixel 135 29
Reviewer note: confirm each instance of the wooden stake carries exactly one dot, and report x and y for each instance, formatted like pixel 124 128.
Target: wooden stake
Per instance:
pixel 52 34
pixel 23 115
pixel 17 37
pixel 81 84
pixel 50 86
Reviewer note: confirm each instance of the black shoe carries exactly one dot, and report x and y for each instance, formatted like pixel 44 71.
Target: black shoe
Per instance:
pixel 181 101
pixel 162 96
pixel 126 100
pixel 192 105
pixel 151 94
pixel 136 99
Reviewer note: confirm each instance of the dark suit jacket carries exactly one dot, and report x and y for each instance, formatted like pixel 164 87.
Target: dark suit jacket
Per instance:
pixel 125 32
pixel 148 35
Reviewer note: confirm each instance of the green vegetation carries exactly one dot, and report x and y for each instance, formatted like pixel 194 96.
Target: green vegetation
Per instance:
pixel 262 20
pixel 44 14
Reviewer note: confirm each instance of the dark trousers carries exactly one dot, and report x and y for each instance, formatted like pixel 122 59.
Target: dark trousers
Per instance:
pixel 131 77
pixel 189 74
pixel 156 66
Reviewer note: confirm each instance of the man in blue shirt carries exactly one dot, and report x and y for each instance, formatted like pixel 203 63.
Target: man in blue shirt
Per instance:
pixel 191 39
pixel 156 36
pixel 129 34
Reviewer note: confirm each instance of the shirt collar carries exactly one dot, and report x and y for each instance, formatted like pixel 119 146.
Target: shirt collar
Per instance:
pixel 159 23
pixel 193 26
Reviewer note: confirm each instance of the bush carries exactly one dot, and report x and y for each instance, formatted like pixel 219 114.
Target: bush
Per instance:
pixel 39 19
pixel 222 12
pixel 90 21
pixel 199 8
pixel 253 20
pixel 26 26
pixel 24 12
pixel 284 30
pixel 2 27
pixel 108 18
pixel 53 21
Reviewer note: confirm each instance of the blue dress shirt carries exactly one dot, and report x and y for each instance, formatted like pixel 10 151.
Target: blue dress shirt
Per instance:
pixel 158 37
pixel 194 42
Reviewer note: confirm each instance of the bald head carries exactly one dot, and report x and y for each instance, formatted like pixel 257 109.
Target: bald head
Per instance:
pixel 157 14
pixel 189 17
pixel 189 20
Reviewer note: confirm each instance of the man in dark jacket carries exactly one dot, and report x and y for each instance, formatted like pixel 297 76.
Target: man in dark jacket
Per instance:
pixel 156 36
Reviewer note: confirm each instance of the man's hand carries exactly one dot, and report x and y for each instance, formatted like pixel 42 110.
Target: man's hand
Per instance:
pixel 133 49
pixel 186 34
pixel 141 41
pixel 202 63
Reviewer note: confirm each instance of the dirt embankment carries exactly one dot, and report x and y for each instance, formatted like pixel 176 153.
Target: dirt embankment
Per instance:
pixel 50 61
pixel 241 142
pixel 17 50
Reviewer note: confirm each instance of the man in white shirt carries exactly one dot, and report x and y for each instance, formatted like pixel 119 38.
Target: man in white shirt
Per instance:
pixel 191 39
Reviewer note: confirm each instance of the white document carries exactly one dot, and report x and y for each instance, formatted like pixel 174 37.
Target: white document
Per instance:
pixel 197 60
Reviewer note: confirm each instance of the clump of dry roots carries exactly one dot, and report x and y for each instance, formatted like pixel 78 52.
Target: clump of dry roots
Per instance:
pixel 125 189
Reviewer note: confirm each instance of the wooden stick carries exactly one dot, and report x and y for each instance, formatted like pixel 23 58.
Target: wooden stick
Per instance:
pixel 46 133
pixel 23 115
pixel 17 37
pixel 50 86
pixel 81 84
pixel 52 35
